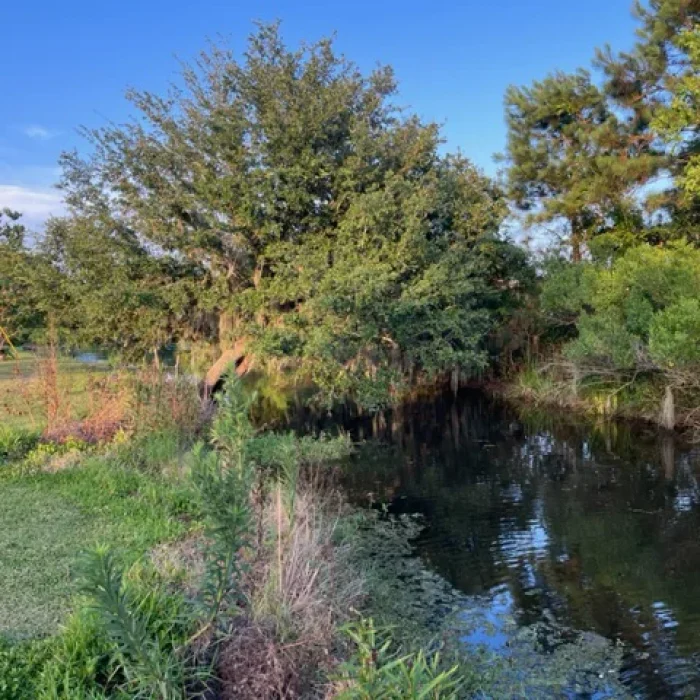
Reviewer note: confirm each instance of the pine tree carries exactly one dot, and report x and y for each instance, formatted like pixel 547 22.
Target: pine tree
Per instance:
pixel 656 85
pixel 572 159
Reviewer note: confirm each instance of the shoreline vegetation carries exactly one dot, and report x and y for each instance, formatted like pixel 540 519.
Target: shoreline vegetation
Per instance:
pixel 186 553
pixel 644 402
pixel 191 555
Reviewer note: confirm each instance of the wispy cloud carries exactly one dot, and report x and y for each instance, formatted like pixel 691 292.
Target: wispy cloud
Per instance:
pixel 40 133
pixel 36 204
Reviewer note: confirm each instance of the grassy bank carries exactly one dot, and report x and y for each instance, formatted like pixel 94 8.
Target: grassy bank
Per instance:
pixel 179 557
pixel 47 520
pixel 637 398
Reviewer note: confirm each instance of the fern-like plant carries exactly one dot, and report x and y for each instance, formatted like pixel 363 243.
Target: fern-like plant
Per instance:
pixel 224 480
pixel 147 659
pixel 225 499
pixel 376 672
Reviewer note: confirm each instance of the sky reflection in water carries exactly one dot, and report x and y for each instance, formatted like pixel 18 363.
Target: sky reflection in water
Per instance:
pixel 540 520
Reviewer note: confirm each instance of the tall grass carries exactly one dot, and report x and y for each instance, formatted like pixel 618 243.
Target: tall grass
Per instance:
pixel 376 671
pixel 278 579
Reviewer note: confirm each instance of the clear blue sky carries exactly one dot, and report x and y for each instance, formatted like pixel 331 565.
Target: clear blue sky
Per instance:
pixel 66 64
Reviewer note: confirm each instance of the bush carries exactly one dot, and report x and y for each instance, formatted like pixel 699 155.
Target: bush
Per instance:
pixel 145 628
pixel 166 402
pixel 618 307
pixel 674 336
pixel 154 453
pixel 603 340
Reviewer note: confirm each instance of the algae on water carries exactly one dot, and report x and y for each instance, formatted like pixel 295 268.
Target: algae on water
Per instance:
pixel 506 659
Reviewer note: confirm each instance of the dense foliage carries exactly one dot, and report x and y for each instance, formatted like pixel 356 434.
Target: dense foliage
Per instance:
pixel 642 312
pixel 279 203
pixel 611 166
pixel 574 159
pixel 20 312
pixel 284 200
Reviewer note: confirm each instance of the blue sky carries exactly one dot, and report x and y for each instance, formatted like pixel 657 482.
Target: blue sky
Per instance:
pixel 68 64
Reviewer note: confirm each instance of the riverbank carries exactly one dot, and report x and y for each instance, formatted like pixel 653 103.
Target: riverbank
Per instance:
pixel 191 557
pixel 640 400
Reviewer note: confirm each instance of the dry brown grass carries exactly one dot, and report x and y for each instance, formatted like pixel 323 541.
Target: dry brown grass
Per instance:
pixel 105 404
pixel 166 400
pixel 305 587
pixel 65 399
pixel 254 665
pixel 298 596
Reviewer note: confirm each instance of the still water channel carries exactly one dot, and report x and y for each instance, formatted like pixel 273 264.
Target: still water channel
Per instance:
pixel 543 520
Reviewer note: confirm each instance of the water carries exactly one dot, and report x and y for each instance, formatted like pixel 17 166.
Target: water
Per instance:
pixel 591 528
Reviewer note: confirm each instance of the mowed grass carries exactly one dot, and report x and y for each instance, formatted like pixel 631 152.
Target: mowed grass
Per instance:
pixel 48 520
pixel 40 537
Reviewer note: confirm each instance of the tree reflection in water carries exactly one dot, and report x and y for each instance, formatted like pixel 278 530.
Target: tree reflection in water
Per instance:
pixel 595 526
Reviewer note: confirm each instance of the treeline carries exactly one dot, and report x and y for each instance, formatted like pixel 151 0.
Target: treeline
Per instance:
pixel 283 204
pixel 612 167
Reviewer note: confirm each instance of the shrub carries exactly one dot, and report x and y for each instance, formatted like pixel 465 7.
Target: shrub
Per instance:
pixel 674 336
pixel 154 453
pixel 45 452
pixel 163 402
pixel 638 310
pixel 145 630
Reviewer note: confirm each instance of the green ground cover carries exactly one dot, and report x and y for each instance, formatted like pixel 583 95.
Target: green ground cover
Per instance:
pixel 48 519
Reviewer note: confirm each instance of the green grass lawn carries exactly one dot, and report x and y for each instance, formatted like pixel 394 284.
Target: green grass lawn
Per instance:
pixel 48 520
pixel 40 537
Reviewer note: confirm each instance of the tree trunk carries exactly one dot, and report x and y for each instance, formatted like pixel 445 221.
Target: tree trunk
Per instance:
pixel 454 380
pixel 575 246
pixel 575 381
pixel 576 238
pixel 227 330
pixel 233 357
pixel 667 417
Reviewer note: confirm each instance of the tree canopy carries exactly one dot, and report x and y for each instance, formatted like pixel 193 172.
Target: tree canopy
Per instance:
pixel 280 202
pixel 573 159
pixel 24 286
pixel 593 155
pixel 642 313
pixel 282 198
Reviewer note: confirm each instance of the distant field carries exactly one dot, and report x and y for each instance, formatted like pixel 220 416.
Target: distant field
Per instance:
pixel 22 398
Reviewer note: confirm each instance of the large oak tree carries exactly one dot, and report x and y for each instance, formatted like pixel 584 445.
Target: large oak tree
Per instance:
pixel 283 199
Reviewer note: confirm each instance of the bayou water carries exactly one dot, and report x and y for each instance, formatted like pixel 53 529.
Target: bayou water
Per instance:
pixel 593 528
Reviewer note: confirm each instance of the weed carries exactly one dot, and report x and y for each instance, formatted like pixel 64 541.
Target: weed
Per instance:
pixel 376 672
pixel 142 630
pixel 224 482
pixel 166 402
pixel 16 443
pixel 20 666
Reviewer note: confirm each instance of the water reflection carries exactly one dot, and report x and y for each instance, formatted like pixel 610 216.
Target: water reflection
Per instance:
pixel 594 527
